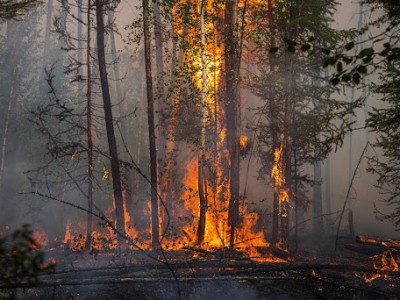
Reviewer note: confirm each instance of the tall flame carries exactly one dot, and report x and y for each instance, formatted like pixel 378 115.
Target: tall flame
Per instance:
pixel 277 173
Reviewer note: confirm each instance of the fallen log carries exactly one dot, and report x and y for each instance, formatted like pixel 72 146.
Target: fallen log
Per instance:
pixel 364 249
pixel 388 243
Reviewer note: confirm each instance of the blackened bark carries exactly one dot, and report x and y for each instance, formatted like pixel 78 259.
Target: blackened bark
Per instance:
pixel 232 113
pixel 274 129
pixel 112 144
pixel 203 204
pixel 89 135
pixel 152 134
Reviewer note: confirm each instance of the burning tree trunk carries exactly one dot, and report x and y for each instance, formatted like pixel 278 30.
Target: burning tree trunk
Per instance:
pixel 202 182
pixel 112 144
pixel 152 135
pixel 287 154
pixel 232 113
pixel 89 134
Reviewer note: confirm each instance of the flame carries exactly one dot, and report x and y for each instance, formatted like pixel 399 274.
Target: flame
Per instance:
pixel 277 173
pixel 244 142
pixel 385 262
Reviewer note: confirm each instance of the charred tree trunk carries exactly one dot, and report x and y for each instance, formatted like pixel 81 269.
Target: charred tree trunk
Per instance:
pixel 201 180
pixel 112 144
pixel 152 134
pixel 287 152
pixel 232 113
pixel 274 129
pixel 89 135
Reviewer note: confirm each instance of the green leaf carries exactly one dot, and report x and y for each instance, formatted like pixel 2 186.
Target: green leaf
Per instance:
pixel 346 77
pixel 305 47
pixel 291 48
pixel 356 78
pixel 339 67
pixel 326 51
pixel 335 80
pixel 366 52
pixel 387 45
pixel 349 46
pixel 362 69
pixel 347 60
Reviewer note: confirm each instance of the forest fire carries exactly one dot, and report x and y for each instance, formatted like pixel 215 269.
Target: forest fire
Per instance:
pixel 196 150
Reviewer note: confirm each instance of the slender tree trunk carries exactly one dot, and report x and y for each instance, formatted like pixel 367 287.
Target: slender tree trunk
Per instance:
pixel 201 180
pixel 89 135
pixel 152 134
pixel 232 113
pixel 287 151
pixel 327 181
pixel 160 90
pixel 47 33
pixel 117 76
pixel 12 47
pixel 79 31
pixel 171 130
pixel 274 129
pixel 318 224
pixel 112 144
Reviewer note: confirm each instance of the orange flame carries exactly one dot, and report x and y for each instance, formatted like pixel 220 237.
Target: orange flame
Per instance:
pixel 277 173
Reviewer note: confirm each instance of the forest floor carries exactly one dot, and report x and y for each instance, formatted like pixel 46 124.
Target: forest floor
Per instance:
pixel 311 274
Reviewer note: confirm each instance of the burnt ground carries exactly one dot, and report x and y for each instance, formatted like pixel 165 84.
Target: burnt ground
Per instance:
pixel 314 272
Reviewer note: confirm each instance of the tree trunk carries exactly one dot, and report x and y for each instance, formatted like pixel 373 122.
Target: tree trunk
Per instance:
pixel 275 129
pixel 112 144
pixel 287 151
pixel 89 135
pixel 160 90
pixel 13 37
pixel 232 113
pixel 47 33
pixel 318 226
pixel 201 180
pixel 152 135
pixel 117 76
pixel 327 181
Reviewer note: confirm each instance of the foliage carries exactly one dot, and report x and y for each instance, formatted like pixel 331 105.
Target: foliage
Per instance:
pixel 20 259
pixel 10 9
pixel 318 122
pixel 384 120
